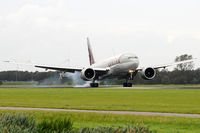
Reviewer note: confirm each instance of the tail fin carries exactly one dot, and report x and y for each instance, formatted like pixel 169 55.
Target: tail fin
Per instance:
pixel 91 57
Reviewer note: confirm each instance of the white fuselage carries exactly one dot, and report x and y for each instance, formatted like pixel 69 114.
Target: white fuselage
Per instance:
pixel 119 65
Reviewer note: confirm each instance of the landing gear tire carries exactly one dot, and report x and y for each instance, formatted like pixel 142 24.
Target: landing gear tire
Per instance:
pixel 127 84
pixel 124 84
pixel 94 85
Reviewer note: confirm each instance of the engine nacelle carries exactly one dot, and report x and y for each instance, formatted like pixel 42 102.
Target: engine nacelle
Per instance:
pixel 148 73
pixel 88 74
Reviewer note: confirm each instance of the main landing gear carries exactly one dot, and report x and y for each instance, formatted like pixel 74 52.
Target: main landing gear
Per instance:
pixel 127 84
pixel 93 84
pixel 130 76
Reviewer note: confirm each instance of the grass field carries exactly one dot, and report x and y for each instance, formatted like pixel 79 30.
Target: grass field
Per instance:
pixel 155 100
pixel 156 123
pixel 151 100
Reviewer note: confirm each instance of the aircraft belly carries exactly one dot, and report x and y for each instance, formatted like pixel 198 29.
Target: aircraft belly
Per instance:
pixel 122 69
pixel 118 70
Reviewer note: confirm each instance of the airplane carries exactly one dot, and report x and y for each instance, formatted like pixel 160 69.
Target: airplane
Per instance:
pixel 123 66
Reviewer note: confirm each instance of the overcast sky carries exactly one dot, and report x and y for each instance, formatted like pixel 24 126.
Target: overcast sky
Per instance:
pixel 54 31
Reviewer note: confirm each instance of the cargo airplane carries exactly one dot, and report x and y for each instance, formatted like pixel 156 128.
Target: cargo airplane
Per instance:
pixel 124 66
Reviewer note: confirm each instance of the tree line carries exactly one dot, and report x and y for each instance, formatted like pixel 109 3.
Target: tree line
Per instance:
pixel 162 77
pixel 50 77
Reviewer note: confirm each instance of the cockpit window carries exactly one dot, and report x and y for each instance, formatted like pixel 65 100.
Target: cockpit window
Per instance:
pixel 131 58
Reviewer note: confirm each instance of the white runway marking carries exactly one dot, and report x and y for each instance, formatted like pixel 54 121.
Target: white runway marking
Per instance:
pixel 106 112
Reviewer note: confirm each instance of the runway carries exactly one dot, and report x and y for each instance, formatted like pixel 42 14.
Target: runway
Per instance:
pixel 107 87
pixel 106 112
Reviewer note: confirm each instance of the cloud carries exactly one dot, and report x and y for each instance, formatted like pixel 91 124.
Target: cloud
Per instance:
pixel 171 38
pixel 46 31
pixel 198 37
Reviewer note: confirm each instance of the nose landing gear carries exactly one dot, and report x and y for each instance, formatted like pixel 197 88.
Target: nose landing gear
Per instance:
pixel 130 76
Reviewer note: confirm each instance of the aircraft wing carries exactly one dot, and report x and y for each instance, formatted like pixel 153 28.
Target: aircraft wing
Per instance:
pixel 169 64
pixel 46 67
pixel 59 68
pixel 64 69
pixel 71 69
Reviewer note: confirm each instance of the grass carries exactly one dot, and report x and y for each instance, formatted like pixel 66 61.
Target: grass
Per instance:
pixel 17 123
pixel 155 100
pixel 150 100
pixel 23 123
pixel 94 120
pixel 55 125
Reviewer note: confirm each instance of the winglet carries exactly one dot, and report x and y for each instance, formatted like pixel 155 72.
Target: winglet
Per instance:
pixel 91 57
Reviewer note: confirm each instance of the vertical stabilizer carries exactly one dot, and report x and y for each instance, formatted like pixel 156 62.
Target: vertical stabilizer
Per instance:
pixel 91 57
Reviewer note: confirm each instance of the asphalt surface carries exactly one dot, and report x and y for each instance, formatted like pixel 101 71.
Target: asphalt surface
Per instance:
pixel 106 112
pixel 110 87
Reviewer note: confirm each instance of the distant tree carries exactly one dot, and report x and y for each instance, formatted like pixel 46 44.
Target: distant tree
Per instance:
pixel 184 66
pixel 1 82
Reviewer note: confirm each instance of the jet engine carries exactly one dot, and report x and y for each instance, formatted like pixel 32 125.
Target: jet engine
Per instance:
pixel 88 74
pixel 148 73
